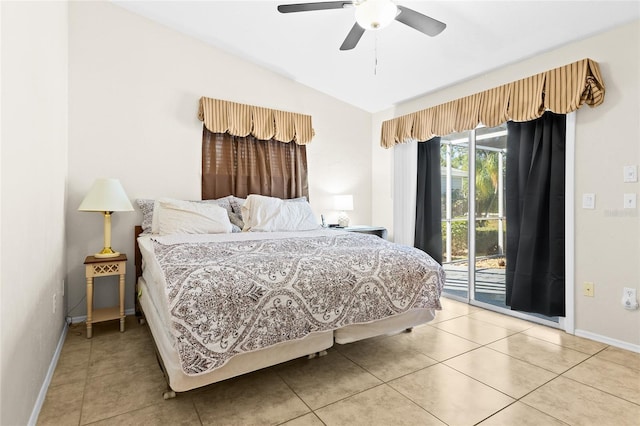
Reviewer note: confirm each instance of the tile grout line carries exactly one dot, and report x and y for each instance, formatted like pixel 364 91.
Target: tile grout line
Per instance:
pixel 528 362
pixel 594 387
pixel 311 410
pixel 515 400
pixel 414 402
pixel 195 408
pixel 86 380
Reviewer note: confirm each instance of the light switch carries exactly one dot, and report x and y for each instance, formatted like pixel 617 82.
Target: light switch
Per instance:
pixel 630 173
pixel 588 201
pixel 629 201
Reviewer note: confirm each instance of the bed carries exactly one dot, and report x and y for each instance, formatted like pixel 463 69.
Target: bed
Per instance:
pixel 223 304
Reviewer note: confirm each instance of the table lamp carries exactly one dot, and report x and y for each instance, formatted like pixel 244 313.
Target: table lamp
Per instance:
pixel 343 203
pixel 106 196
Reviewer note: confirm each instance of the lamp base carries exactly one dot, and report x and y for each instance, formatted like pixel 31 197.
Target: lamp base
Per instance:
pixel 343 220
pixel 106 253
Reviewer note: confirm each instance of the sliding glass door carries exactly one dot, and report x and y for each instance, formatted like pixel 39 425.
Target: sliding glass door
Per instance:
pixel 454 162
pixel 489 229
pixel 473 217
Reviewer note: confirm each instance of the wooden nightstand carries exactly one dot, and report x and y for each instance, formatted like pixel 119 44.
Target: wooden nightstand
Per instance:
pixel 104 267
pixel 374 230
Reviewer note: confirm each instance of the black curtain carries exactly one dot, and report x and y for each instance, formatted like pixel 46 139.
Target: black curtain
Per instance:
pixel 428 237
pixel 535 181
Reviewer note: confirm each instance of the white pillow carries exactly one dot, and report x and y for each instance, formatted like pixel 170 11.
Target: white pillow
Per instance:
pixel 190 217
pixel 151 215
pixel 270 214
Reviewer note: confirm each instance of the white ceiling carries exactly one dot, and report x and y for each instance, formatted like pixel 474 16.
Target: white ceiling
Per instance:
pixel 396 63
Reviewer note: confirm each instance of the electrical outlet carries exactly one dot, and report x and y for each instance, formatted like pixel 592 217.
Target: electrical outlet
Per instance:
pixel 629 201
pixel 62 288
pixel 54 303
pixel 630 173
pixel 588 289
pixel 629 300
pixel 588 201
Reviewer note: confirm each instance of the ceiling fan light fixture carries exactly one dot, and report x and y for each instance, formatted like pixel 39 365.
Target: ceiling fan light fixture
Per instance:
pixel 375 14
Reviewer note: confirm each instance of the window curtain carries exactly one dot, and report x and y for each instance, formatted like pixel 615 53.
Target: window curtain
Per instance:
pixel 535 211
pixel 561 90
pixel 235 165
pixel 405 170
pixel 428 234
pixel 264 123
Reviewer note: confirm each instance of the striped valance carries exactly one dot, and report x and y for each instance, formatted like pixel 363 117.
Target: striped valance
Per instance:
pixel 263 123
pixel 561 90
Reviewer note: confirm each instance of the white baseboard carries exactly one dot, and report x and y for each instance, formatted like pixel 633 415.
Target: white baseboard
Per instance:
pixel 47 380
pixel 83 318
pixel 608 340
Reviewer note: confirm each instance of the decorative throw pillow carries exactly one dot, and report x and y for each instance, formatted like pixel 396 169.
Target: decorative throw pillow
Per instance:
pixel 146 206
pixel 236 220
pixel 236 204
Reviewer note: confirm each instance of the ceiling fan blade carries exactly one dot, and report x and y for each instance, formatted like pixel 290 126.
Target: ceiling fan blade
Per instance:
pixel 353 37
pixel 423 23
pixel 308 7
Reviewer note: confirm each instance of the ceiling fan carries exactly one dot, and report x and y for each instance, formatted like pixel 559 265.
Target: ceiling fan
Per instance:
pixel 372 15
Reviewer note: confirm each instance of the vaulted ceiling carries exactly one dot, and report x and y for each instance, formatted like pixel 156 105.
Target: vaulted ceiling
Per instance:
pixel 396 63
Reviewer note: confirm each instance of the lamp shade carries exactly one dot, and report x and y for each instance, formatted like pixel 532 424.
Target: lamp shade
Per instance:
pixel 106 195
pixel 343 202
pixel 375 14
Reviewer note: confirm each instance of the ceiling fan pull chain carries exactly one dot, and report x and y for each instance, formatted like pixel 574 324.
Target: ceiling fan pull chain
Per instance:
pixel 375 53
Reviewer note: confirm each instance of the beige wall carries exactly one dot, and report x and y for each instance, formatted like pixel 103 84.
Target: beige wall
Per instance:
pixel 607 138
pixel 134 87
pixel 34 169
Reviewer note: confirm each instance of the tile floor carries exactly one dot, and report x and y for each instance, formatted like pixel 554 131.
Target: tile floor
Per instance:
pixel 469 366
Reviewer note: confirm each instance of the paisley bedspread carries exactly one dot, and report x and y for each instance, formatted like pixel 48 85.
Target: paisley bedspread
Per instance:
pixel 231 297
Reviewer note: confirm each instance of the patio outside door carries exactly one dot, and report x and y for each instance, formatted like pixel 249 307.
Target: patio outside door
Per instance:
pixel 474 233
